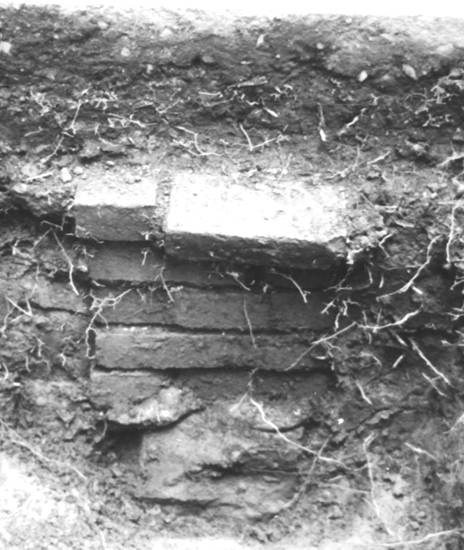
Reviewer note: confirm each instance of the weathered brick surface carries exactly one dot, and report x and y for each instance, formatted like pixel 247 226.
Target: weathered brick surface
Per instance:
pixel 156 398
pixel 203 309
pixel 112 262
pixel 140 263
pixel 213 441
pixel 140 398
pixel 296 224
pixel 149 348
pixel 113 209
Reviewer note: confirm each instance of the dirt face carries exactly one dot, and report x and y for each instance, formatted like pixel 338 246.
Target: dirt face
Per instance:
pixel 374 453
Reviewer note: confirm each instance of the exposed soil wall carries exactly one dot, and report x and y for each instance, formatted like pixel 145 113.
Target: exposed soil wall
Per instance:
pixel 278 400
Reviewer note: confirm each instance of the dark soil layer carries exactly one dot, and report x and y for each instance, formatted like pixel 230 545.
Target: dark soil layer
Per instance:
pixel 379 446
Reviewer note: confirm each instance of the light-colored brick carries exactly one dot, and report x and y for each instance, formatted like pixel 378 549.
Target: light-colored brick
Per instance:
pixel 151 348
pixel 113 209
pixel 295 224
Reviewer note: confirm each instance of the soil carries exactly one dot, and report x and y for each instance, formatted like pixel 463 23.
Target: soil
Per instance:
pixel 93 92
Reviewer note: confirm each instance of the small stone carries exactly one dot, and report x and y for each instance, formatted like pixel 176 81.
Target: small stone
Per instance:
pixel 445 50
pixel 50 74
pixel 149 68
pixel 90 151
pixel 125 52
pixel 261 41
pixel 65 175
pixel 78 170
pixel 102 25
pixel 166 33
pixel 5 47
pixel 362 76
pixel 409 71
pixel 207 59
pixel 320 46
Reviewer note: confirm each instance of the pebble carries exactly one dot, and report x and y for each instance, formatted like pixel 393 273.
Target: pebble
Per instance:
pixel 5 47
pixel 90 151
pixel 65 175
pixel 207 59
pixel 445 50
pixel 362 76
pixel 102 25
pixel 260 41
pixel 409 71
pixel 166 33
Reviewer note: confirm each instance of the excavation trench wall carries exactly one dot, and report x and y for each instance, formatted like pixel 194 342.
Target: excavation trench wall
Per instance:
pixel 230 279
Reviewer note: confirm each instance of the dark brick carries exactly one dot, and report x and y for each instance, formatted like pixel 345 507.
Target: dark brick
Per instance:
pixel 112 262
pixel 150 348
pixel 224 310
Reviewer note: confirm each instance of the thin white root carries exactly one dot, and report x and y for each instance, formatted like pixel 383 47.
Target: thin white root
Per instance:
pixel 250 327
pixel 292 443
pixel 432 367
pixel 417 274
pixel 427 538
pixel 399 323
pixel 321 341
pixel 70 265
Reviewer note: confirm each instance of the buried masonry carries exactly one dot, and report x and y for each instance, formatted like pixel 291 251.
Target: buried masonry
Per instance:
pixel 231 279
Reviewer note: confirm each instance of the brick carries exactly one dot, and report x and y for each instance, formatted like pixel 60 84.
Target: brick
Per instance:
pixel 140 263
pixel 296 225
pixel 138 348
pixel 224 310
pixel 182 464
pixel 123 262
pixel 114 262
pixel 109 208
pixel 140 398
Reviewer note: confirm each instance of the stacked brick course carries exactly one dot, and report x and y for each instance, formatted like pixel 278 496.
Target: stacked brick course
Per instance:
pixel 220 282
